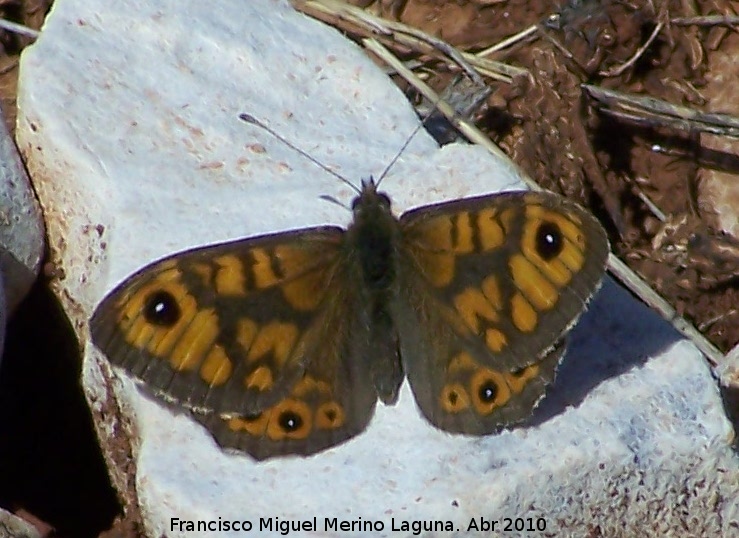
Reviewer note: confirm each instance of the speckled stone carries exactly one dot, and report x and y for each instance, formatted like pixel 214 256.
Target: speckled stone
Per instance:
pixel 129 119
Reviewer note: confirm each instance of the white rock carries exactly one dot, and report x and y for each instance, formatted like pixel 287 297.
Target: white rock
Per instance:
pixel 12 526
pixel 129 119
pixel 21 227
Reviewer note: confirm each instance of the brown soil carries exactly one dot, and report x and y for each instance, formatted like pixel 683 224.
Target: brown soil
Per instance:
pixel 568 143
pixel 30 13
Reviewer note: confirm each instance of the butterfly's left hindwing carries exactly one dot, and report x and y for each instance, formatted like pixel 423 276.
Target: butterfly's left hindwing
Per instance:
pixel 332 400
pixel 490 286
pixel 253 336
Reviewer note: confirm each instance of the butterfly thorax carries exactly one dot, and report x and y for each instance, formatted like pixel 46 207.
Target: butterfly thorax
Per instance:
pixel 374 236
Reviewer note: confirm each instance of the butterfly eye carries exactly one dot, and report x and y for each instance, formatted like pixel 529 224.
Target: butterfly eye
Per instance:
pixel 290 421
pixel 487 392
pixel 549 240
pixel 161 308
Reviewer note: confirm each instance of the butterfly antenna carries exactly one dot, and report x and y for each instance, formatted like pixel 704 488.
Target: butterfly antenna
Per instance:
pixel 400 151
pixel 408 141
pixel 477 97
pixel 248 118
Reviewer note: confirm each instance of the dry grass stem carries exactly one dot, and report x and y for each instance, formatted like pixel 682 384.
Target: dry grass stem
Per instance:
pixel 397 35
pixel 616 71
pixel 653 300
pixel 656 112
pixel 729 21
pixel 19 29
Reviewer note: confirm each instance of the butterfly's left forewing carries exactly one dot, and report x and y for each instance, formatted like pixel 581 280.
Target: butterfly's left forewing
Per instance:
pixel 259 337
pixel 490 286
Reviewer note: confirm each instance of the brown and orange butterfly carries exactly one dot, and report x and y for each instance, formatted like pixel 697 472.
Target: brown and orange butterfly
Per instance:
pixel 282 344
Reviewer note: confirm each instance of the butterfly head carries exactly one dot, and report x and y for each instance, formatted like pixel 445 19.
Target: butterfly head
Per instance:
pixel 370 203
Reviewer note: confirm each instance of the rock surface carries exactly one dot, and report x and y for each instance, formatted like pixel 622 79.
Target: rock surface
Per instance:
pixel 14 527
pixel 129 123
pixel 21 225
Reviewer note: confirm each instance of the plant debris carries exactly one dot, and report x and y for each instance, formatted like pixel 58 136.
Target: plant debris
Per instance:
pixel 622 105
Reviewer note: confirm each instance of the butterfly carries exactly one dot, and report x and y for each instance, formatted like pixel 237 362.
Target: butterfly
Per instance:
pixel 283 343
